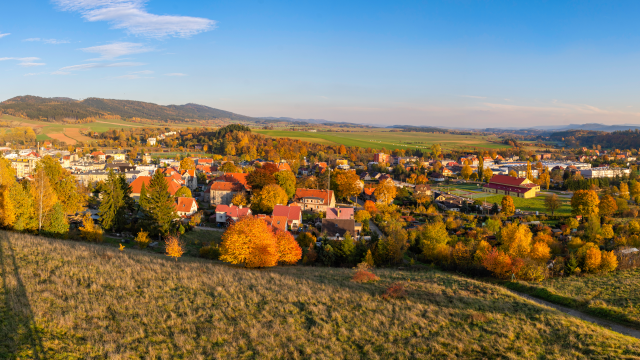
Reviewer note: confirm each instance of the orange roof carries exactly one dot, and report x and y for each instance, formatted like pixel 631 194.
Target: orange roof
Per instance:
pixel 225 186
pixel 325 195
pixel 203 168
pixel 97 153
pixel 184 204
pixel 136 185
pixel 279 222
pixel 284 166
pixel 234 177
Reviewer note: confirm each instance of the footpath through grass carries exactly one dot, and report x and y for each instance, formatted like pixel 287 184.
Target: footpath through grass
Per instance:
pixel 64 299
pixel 614 296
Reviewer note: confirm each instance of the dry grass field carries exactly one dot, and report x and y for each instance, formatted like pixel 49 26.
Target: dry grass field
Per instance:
pixel 63 138
pixel 62 299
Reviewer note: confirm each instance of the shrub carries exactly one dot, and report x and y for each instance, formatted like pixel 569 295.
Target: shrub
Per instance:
pixel 363 276
pixel 532 271
pixel 592 259
pixel 608 262
pixel 174 247
pixel 210 252
pixel 368 259
pixel 498 263
pixel 142 239
pixel 394 291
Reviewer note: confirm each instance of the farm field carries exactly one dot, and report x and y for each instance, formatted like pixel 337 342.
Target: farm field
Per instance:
pixel 533 204
pixel 613 296
pixel 64 299
pixel 379 139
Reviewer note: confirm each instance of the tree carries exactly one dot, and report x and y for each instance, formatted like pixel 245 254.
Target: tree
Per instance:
pixel 239 199
pixel 112 207
pixel 592 259
pixel 607 205
pixel 432 236
pixel 624 191
pixel 265 200
pixel 436 150
pixel 362 216
pixel 89 230
pixel 229 167
pixel 20 206
pixel 608 262
pixel 289 252
pixel 7 180
pixel 466 171
pixel 43 195
pixel 508 208
pixel 56 224
pixel 516 240
pixel 635 190
pixel 370 207
pixel 385 192
pixel 183 192
pixel 499 263
pixel 144 198
pixel 348 184
pixel 287 181
pixel 159 208
pixel 513 173
pixel 552 203
pixel 487 174
pixel 187 164
pixel 174 247
pixel 541 252
pixel 142 239
pixel 65 186
pixel 260 178
pixel 251 242
pixel 305 239
pixel 585 203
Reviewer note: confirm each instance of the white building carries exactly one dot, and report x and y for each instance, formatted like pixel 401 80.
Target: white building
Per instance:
pixel 604 172
pixel 151 141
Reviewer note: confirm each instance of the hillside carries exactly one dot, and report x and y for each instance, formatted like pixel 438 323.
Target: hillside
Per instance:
pixel 63 299
pixel 35 107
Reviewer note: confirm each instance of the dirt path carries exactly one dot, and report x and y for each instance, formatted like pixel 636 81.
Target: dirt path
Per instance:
pixel 621 329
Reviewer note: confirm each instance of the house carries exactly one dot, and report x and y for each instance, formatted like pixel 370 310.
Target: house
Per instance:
pixel 340 213
pixel 423 189
pixel 185 206
pixel 337 228
pixel 381 158
pixel 604 172
pixel 284 166
pixel 116 155
pixel 437 177
pixel 136 186
pixel 222 192
pixel 151 142
pixel 99 155
pixel 292 215
pixel 369 194
pixel 315 200
pixel 230 214
pixel 507 185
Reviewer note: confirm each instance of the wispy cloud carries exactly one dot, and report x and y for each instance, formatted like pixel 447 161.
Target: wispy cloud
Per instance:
pixel 47 41
pixel 175 74
pixel 33 74
pixel 25 61
pixel 473 96
pixel 144 72
pixel 132 16
pixel 112 51
pixel 3 35
pixel 68 69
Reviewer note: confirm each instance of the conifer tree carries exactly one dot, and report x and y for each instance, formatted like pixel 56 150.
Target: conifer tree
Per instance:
pixel 143 196
pixel 159 207
pixel 56 225
pixel 111 209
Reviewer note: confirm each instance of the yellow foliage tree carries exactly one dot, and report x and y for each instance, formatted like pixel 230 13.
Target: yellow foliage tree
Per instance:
pixel 263 201
pixel 174 247
pixel 385 192
pixel 7 179
pixel 89 230
pixel 251 242
pixel 540 252
pixel 609 262
pixel 187 164
pixel 508 207
pixel 592 259
pixel 482 250
pixel 239 199
pixel 142 239
pixel 348 184
pixel 516 240
pixel 43 195
pixel 585 203
pixel 289 252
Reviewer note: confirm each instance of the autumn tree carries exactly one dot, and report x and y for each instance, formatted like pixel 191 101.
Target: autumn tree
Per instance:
pixel 370 207
pixel 585 203
pixel 187 164
pixel 516 240
pixel 142 239
pixel 624 191
pixel 20 206
pixel 89 230
pixel 289 252
pixel 43 195
pixel 499 263
pixel 466 171
pixel 508 207
pixel 183 192
pixel 260 178
pixel 487 174
pixel 607 205
pixel 264 200
pixel 287 181
pixel 385 192
pixel 348 184
pixel 552 203
pixel 7 181
pixel 67 189
pixel 431 237
pixel 251 242
pixel 608 262
pixel 56 224
pixel 239 199
pixel 173 247
pixel 592 259
pixel 540 252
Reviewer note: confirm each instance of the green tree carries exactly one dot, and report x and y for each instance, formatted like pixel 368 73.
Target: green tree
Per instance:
pixel 552 203
pixel 56 224
pixel 65 186
pixel 263 201
pixel 287 181
pixel 159 209
pixel 112 207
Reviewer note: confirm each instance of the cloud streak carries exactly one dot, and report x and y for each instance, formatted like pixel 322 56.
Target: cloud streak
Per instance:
pixel 68 69
pixel 3 35
pixel 25 61
pixel 131 16
pixel 114 50
pixel 175 74
pixel 47 41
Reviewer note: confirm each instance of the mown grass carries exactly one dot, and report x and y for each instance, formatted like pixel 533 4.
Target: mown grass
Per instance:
pixel 533 204
pixel 614 296
pixel 63 299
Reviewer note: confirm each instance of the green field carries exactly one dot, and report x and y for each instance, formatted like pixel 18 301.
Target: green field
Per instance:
pixel 534 204
pixel 614 296
pixel 383 138
pixel 73 300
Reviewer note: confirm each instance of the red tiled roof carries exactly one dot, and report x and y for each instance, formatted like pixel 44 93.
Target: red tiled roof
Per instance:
pixel 325 195
pixel 508 188
pixel 233 211
pixel 284 166
pixel 97 153
pixel 369 191
pixel 279 222
pixel 225 186
pixel 184 204
pixel 136 185
pixel 240 178
pixel 203 168
pixel 291 212
pixel 507 180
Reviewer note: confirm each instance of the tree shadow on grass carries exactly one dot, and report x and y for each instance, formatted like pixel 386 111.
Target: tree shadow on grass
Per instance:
pixel 19 335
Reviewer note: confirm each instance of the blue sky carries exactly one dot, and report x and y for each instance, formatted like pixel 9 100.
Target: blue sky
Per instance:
pixel 445 63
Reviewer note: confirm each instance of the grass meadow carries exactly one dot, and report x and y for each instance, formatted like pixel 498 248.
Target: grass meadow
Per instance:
pixel 378 139
pixel 64 300
pixel 614 296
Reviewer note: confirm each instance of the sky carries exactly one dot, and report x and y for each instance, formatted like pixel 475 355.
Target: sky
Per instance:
pixel 429 63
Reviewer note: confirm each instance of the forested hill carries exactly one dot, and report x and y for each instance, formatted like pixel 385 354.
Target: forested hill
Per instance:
pixel 35 107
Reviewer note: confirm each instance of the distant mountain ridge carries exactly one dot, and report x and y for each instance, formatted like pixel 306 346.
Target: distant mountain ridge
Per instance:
pixel 58 108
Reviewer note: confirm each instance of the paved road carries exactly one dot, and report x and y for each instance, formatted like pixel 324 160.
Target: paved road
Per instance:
pixel 374 228
pixel 621 329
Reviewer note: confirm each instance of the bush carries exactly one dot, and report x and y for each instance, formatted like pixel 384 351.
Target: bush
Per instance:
pixel 608 262
pixel 592 259
pixel 394 291
pixel 142 239
pixel 211 252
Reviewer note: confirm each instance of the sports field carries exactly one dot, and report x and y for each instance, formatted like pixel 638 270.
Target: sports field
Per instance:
pixel 383 138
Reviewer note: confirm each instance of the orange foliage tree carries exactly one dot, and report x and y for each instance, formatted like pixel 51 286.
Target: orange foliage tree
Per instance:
pixel 592 259
pixel 499 263
pixel 370 206
pixel 174 247
pixel 289 252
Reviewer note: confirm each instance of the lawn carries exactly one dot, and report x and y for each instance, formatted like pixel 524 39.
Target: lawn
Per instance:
pixel 614 296
pixel 63 299
pixel 533 204
pixel 382 138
